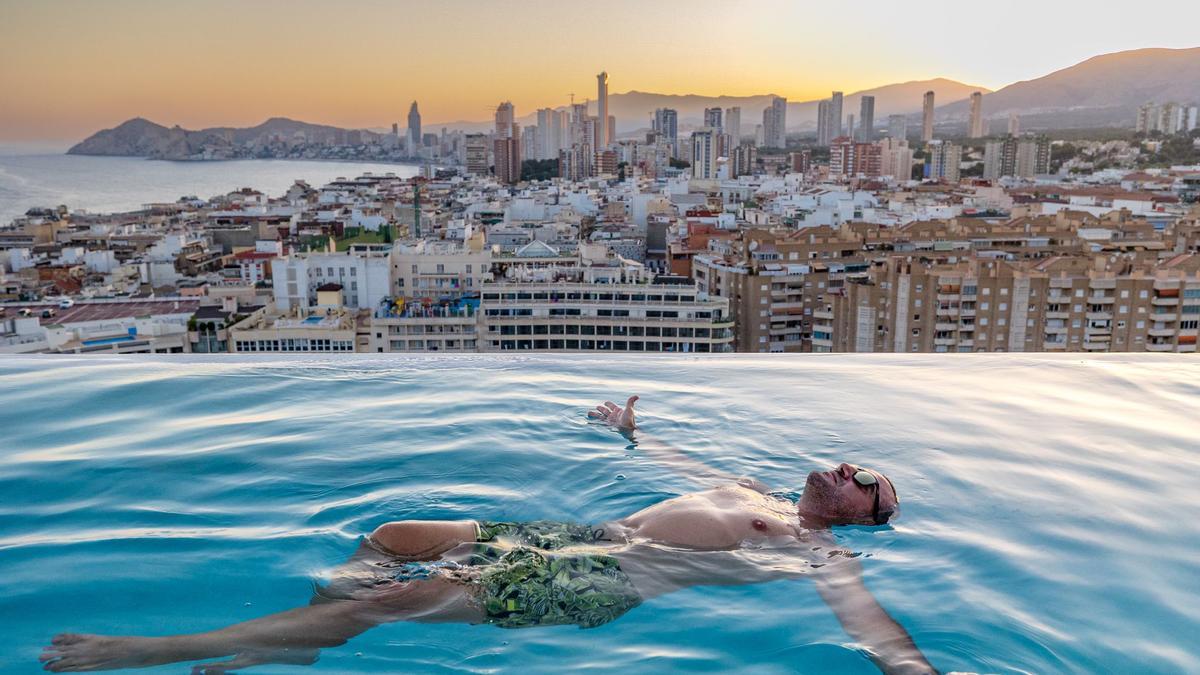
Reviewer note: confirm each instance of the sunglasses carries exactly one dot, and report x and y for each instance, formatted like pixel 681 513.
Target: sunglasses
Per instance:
pixel 869 480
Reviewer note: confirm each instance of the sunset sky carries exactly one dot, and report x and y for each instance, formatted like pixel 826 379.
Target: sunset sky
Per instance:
pixel 69 68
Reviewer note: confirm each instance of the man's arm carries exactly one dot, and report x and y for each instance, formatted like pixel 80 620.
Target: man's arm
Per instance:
pixel 841 586
pixel 624 420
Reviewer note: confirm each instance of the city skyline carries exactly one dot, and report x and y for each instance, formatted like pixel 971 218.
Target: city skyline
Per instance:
pixel 187 64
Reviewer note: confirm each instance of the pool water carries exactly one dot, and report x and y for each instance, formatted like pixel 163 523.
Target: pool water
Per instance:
pixel 1048 519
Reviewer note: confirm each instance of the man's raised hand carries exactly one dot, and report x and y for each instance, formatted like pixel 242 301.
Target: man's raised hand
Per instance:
pixel 614 415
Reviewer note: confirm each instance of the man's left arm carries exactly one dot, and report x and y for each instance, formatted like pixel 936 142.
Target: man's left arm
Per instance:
pixel 841 586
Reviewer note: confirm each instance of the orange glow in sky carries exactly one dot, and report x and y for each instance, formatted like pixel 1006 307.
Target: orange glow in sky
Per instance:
pixel 71 67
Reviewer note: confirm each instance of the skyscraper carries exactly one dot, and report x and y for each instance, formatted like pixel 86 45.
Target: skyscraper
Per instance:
pixel 825 133
pixel 666 125
pixel 506 147
pixel 505 117
pixel 547 135
pixel 476 148
pixel 602 110
pixel 835 113
pixel 775 123
pixel 976 126
pixel 704 153
pixel 898 127
pixel 733 124
pixel 414 130
pixel 712 118
pixel 927 119
pixel 1014 124
pixel 866 119
pixel 942 162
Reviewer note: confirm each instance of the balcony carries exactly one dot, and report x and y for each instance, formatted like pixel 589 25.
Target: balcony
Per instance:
pixel 966 312
pixel 1160 347
pixel 1100 300
pixel 946 325
pixel 1099 316
pixel 1165 302
pixel 947 311
pixel 945 342
pixel 1055 330
pixel 824 314
pixel 1164 317
pixel 1058 315
pixel 1054 346
pixel 1103 283
pixel 1095 346
pixel 1060 282
pixel 1161 332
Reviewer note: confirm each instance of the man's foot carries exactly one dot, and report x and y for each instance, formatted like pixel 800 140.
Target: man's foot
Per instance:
pixel 75 652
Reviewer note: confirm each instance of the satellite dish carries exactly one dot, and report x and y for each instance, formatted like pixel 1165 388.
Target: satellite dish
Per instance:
pixel 753 244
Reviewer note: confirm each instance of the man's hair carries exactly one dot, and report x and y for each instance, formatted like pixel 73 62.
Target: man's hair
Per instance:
pixel 882 517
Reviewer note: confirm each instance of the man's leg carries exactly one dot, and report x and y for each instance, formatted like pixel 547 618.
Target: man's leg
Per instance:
pixel 296 631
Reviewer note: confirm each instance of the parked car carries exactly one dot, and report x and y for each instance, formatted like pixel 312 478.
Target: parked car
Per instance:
pixel 48 313
pixel 66 303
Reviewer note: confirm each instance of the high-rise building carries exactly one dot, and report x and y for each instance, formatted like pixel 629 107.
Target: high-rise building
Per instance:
pixel 850 129
pixel 1016 157
pixel 666 125
pixel 561 123
pixel 895 158
pixel 1033 157
pixel 1014 124
pixel 898 127
pixel 927 118
pixel 841 157
pixel 576 162
pixel 602 110
pixel 800 162
pixel 866 119
pixel 505 119
pixel 547 135
pixel 775 123
pixel 704 153
pixel 414 130
pixel 612 130
pixel 836 113
pixel 745 156
pixel 396 129
pixel 976 124
pixel 942 161
pixel 507 152
pixel 476 159
pixel 530 143
pixel 712 118
pixel 733 124
pixel 825 124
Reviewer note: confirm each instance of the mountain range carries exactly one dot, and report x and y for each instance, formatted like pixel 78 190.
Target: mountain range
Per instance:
pixel 1104 90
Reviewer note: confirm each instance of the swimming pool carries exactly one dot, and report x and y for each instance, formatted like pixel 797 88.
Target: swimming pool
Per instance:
pixel 1046 522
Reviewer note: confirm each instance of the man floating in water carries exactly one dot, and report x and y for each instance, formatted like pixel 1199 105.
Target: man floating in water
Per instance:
pixel 518 575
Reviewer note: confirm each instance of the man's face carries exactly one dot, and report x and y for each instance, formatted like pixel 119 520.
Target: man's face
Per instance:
pixel 837 497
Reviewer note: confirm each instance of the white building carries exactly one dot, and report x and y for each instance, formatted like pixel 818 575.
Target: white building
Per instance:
pixel 363 272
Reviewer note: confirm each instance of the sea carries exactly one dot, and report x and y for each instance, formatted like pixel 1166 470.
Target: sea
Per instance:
pixel 1047 520
pixel 37 178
